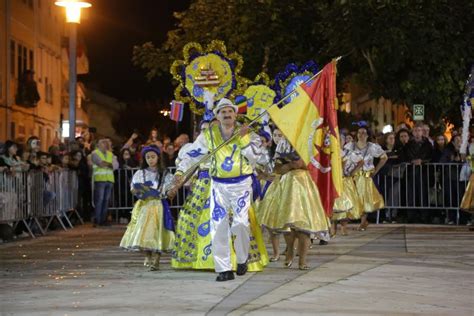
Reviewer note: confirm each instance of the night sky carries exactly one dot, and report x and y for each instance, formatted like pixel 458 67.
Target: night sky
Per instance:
pixel 110 29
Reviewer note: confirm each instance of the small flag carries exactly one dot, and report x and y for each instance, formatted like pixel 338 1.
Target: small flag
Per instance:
pixel 241 103
pixel 176 111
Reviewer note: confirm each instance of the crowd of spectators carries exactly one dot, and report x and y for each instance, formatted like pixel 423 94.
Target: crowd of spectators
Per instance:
pixel 416 146
pixel 16 157
pixel 434 176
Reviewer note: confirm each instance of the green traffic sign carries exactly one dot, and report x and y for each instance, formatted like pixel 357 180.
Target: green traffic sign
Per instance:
pixel 418 112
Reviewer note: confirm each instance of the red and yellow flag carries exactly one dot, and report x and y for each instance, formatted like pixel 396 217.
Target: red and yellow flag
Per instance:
pixel 309 122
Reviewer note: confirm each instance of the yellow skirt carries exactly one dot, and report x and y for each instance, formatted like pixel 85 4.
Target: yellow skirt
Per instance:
pixel 343 204
pixel 146 231
pixel 293 202
pixel 350 190
pixel 370 197
pixel 467 203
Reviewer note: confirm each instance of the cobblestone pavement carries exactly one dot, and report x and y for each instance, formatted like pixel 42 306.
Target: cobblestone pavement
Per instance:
pixel 386 270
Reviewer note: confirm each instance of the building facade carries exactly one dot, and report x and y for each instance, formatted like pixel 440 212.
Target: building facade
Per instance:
pixel 32 41
pixel 357 100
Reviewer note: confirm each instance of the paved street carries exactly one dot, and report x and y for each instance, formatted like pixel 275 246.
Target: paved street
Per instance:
pixel 387 270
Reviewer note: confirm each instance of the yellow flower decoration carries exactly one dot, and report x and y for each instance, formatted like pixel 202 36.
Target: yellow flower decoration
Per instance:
pixel 211 68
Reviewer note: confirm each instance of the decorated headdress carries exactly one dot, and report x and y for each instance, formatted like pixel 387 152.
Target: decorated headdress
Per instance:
pixel 209 69
pixel 290 78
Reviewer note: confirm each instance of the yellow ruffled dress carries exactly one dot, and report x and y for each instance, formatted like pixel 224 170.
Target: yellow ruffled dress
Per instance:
pixel 349 204
pixel 146 231
pixel 467 203
pixel 368 194
pixel 343 205
pixel 370 197
pixel 293 201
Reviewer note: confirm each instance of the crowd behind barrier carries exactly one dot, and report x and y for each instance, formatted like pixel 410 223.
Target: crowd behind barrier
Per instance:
pixel 424 191
pixel 428 190
pixel 35 199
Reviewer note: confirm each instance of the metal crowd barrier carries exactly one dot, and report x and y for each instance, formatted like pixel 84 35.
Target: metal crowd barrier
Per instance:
pixel 428 187
pixel 433 186
pixel 37 199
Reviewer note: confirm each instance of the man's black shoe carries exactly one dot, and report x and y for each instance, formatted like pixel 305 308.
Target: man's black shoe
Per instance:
pixel 323 242
pixel 242 268
pixel 225 276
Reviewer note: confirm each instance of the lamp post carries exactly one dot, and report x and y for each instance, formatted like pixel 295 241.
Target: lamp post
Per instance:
pixel 73 17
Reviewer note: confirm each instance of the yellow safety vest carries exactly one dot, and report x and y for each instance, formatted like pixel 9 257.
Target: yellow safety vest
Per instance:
pixel 228 162
pixel 100 174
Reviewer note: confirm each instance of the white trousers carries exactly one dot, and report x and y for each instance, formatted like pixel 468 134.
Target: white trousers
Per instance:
pixel 226 197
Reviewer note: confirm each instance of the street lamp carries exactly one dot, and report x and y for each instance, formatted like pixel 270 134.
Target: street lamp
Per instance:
pixel 73 17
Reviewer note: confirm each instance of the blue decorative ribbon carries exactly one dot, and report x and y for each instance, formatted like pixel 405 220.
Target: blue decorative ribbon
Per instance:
pixel 265 188
pixel 256 188
pixel 231 180
pixel 167 218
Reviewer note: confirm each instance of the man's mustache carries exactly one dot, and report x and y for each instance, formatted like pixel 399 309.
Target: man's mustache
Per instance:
pixel 227 117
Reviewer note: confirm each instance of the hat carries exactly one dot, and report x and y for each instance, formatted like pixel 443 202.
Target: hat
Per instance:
pixel 225 103
pixel 152 148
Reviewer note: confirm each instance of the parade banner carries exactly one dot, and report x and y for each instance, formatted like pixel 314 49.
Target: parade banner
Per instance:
pixel 309 122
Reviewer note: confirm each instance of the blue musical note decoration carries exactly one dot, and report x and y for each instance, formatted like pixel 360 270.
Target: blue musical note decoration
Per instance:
pixel 218 212
pixel 241 202
pixel 207 251
pixel 204 229
pixel 195 153
pixel 228 162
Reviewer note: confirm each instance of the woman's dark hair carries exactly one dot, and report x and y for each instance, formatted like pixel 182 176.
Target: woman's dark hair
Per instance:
pixel 131 163
pixel 436 146
pixel 7 146
pixel 385 137
pixel 398 143
pixel 154 129
pixel 145 165
pixel 367 129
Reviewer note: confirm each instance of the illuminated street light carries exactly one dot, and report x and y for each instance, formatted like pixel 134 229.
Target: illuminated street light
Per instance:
pixel 73 9
pixel 73 17
pixel 165 112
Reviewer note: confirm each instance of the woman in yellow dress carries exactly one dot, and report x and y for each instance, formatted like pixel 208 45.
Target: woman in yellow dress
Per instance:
pixel 151 228
pixel 371 198
pixel 467 203
pixel 349 205
pixel 265 172
pixel 292 205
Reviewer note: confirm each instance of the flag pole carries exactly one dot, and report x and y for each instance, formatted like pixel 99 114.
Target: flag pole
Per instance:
pixel 187 174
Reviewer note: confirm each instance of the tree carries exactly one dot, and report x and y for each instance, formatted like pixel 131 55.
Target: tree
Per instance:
pixel 407 51
pixel 268 33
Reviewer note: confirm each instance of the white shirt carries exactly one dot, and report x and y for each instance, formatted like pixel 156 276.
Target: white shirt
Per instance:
pixel 368 153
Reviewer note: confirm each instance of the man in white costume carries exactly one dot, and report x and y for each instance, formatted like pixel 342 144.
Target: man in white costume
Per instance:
pixel 231 185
